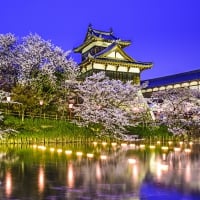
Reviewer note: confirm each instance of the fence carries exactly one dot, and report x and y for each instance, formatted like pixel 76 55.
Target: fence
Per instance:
pixel 53 116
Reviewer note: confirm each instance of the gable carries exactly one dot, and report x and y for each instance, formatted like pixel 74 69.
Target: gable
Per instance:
pixel 116 55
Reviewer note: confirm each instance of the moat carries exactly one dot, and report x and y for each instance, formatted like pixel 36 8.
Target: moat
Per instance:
pixel 100 171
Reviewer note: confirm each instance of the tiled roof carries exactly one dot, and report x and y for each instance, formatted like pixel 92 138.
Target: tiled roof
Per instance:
pixel 97 35
pixel 125 61
pixel 173 79
pixel 103 34
pixel 106 35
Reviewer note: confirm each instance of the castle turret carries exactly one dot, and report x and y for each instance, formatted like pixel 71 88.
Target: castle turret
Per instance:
pixel 103 51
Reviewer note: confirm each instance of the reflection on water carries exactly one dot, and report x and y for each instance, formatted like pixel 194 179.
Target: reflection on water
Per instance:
pixel 8 183
pixel 101 171
pixel 70 176
pixel 41 179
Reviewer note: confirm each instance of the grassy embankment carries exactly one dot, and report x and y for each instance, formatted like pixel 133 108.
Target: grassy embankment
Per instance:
pixel 46 130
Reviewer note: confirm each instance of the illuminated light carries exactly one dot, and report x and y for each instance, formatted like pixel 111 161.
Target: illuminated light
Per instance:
pixel 95 143
pixel 164 148
pixel 158 142
pixel 114 144
pixel 187 150
pixel 123 144
pixel 177 149
pixel 131 161
pixel 170 142
pixel 34 146
pixel 142 146
pixel 181 143
pixel 79 153
pixel 90 155
pixel 59 150
pixel 132 145
pixel 103 157
pixel 190 143
pixel 152 147
pixel 42 147
pixel 68 152
pixel 52 149
pixel 104 143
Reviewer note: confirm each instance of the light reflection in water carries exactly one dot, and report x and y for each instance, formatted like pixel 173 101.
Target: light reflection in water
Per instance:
pixel 135 172
pixel 41 179
pixel 8 184
pixel 188 173
pixel 105 168
pixel 158 171
pixel 164 156
pixel 98 172
pixel 70 176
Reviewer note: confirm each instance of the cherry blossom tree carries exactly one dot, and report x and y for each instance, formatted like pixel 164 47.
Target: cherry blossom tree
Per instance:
pixel 34 63
pixel 38 58
pixel 43 69
pixel 178 109
pixel 8 72
pixel 107 106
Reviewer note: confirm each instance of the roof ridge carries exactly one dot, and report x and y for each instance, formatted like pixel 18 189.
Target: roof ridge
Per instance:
pixel 100 31
pixel 173 75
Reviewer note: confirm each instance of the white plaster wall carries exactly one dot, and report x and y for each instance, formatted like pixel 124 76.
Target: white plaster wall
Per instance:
pixel 111 67
pixel 119 56
pixel 135 70
pixel 89 67
pixel 111 55
pixel 122 69
pixel 98 66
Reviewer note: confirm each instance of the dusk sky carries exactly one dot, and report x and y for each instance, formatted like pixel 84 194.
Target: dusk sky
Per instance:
pixel 165 32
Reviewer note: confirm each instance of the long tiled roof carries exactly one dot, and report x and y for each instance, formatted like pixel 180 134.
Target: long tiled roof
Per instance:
pixel 141 65
pixel 173 79
pixel 124 61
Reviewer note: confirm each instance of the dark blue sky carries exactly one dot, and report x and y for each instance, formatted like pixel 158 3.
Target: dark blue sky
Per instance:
pixel 166 32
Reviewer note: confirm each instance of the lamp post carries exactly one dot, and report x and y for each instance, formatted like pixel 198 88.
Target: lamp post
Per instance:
pixel 41 104
pixel 70 109
pixel 8 100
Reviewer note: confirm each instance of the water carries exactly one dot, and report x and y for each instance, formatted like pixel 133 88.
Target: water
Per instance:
pixel 100 172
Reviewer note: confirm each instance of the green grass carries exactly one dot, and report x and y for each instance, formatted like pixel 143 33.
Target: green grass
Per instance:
pixel 39 128
pixel 153 132
pixel 47 128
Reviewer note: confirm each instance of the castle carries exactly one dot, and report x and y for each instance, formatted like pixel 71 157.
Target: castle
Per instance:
pixel 103 51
